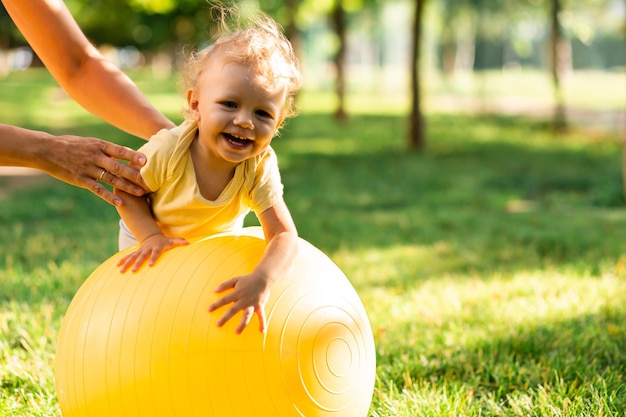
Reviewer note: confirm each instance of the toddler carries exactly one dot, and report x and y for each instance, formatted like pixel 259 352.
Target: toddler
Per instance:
pixel 206 174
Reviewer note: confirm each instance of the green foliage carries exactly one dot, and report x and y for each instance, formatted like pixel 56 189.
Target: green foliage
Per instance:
pixel 491 266
pixel 154 6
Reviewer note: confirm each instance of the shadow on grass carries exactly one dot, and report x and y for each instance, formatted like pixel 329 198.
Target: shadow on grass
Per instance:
pixel 51 238
pixel 499 192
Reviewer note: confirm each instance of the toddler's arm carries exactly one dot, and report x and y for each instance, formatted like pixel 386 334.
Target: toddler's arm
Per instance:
pixel 251 292
pixel 135 211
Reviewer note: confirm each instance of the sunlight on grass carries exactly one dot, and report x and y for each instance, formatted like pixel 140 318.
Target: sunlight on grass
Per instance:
pixel 524 333
pixel 402 283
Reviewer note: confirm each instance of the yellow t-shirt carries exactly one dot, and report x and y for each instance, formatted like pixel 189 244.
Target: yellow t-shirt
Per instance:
pixel 177 204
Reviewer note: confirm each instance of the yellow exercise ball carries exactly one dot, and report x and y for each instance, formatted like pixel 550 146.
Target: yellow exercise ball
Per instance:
pixel 143 344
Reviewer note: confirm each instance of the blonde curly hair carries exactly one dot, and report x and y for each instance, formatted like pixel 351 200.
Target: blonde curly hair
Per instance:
pixel 259 43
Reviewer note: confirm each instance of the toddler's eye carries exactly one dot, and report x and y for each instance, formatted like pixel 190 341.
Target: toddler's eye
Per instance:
pixel 264 114
pixel 229 104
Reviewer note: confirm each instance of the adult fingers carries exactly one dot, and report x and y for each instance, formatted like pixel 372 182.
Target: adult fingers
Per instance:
pixel 101 191
pixel 108 177
pixel 121 176
pixel 121 152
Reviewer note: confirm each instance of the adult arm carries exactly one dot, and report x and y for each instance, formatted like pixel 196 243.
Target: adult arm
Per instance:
pixel 94 83
pixel 90 79
pixel 76 160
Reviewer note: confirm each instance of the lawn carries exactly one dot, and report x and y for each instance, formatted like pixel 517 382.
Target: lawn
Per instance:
pixel 492 266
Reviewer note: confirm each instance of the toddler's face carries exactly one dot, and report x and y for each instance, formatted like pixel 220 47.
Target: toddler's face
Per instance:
pixel 238 114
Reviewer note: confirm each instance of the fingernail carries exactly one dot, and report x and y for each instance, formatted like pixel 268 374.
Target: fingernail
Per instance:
pixel 142 160
pixel 117 202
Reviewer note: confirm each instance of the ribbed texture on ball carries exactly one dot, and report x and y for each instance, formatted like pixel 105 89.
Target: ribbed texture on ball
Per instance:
pixel 144 345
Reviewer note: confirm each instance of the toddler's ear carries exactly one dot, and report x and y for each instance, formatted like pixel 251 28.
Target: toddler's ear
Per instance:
pixel 192 103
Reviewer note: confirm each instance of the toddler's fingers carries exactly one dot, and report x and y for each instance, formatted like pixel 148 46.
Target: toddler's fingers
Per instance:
pixel 154 256
pixel 226 285
pixel 245 320
pixel 121 261
pixel 260 312
pixel 227 299
pixel 179 242
pixel 127 261
pixel 227 316
pixel 139 260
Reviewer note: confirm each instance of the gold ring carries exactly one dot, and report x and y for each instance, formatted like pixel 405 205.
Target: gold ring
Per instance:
pixel 104 171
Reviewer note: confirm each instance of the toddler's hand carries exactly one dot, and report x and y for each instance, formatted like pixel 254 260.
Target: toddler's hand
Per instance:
pixel 151 249
pixel 250 294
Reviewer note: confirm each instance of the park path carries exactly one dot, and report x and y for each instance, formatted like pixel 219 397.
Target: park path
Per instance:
pixel 595 121
pixel 14 178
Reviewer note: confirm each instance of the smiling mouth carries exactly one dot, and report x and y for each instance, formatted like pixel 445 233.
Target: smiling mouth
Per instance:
pixel 237 141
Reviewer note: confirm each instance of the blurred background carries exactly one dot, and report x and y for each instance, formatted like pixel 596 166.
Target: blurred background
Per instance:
pixel 535 57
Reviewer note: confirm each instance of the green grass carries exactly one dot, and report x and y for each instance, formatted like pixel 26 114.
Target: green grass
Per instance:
pixel 492 267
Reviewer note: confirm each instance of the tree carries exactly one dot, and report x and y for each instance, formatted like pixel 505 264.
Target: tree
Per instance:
pixel 291 27
pixel 560 45
pixel 286 13
pixel 458 33
pixel 557 49
pixel 338 16
pixel 417 138
pixel 8 31
pixel 624 127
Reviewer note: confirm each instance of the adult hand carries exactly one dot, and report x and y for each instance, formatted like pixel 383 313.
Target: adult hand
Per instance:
pixel 89 162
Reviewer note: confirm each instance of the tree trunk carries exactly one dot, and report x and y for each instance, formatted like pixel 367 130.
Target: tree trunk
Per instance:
pixel 557 50
pixel 339 21
pixel 448 42
pixel 624 127
pixel 292 33
pixel 448 56
pixel 417 138
pixel 291 29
